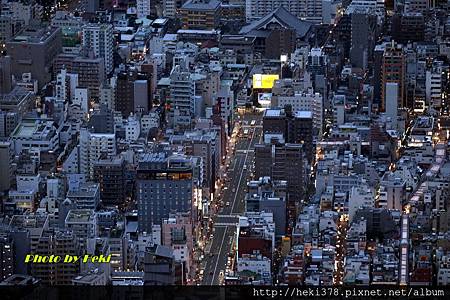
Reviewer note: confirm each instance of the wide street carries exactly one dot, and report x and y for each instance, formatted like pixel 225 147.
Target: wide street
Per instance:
pixel 233 192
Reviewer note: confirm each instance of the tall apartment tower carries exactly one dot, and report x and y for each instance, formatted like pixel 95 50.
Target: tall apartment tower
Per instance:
pixel 110 173
pixel 182 91
pixel 283 161
pixel 59 244
pixel 143 8
pixel 171 7
pixel 93 147
pixel 124 92
pixel 393 70
pixel 363 39
pixel 6 256
pixel 133 92
pixel 295 128
pixel 100 39
pixel 6 159
pixel 5 75
pixel 164 184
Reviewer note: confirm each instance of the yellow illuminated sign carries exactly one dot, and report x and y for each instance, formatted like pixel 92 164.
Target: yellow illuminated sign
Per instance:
pixel 264 81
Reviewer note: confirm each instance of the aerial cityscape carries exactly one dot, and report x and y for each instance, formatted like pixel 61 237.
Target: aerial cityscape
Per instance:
pixel 225 142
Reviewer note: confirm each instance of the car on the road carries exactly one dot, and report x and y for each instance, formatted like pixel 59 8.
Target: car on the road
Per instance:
pixel 210 273
pixel 245 167
pixel 234 190
pixel 227 204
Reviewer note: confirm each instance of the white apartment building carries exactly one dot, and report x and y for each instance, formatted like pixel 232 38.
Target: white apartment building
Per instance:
pixel 81 98
pixel 132 129
pixel 433 88
pixel 65 85
pixel 107 96
pixel 92 146
pixel 182 91
pixel 143 8
pixel 170 8
pixel 100 39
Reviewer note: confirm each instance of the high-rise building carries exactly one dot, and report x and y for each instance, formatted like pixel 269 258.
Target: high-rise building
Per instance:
pixel 164 184
pixel 8 122
pixel 392 101
pixel 5 75
pixel 283 161
pixel 6 30
pixel 110 173
pixel 171 8
pixel 295 127
pixel 65 85
pixel 91 6
pixel 125 92
pixel 60 243
pixel 393 70
pixel 143 8
pixel 434 86
pixel 33 51
pixel 363 38
pixel 182 93
pixel 377 74
pixel 90 70
pixel 408 28
pixel 100 39
pixel 107 96
pixel 94 146
pixel 6 159
pixel 317 62
pixel 6 256
pixel 133 92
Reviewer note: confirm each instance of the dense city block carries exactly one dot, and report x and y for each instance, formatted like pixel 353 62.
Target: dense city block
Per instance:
pixel 225 142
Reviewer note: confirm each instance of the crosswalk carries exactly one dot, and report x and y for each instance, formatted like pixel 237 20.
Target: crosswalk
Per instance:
pixel 227 220
pixel 225 224
pixel 245 151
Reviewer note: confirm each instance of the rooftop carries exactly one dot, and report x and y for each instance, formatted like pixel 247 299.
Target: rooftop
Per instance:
pixel 201 5
pixel 80 216
pixel 303 114
pixel 34 35
pixel 273 113
pixel 282 17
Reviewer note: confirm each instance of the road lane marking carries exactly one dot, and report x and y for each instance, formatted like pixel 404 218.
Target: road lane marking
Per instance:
pixel 218 255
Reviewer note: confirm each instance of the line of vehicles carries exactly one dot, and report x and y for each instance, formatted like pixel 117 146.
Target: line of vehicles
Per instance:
pixel 246 131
